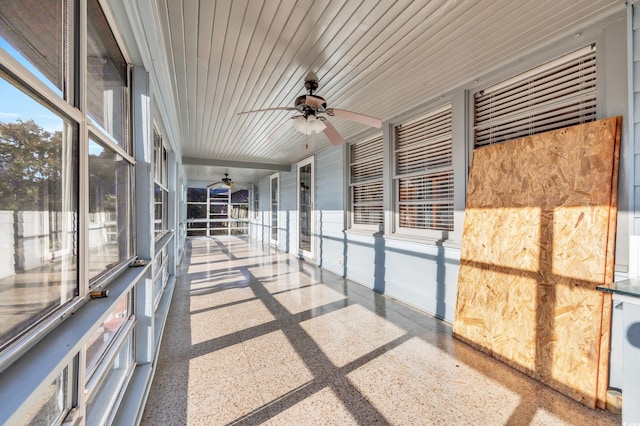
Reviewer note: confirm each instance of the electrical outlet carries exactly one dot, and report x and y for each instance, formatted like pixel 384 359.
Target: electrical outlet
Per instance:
pixel 340 262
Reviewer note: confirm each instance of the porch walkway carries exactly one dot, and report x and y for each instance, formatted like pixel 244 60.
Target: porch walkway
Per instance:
pixel 255 336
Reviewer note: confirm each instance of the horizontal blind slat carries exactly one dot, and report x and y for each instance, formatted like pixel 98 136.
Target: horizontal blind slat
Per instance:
pixel 548 97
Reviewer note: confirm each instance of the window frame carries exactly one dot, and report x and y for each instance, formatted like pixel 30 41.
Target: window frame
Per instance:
pixel 160 179
pixel 276 177
pixel 68 372
pixel 103 278
pixel 23 79
pixel 365 183
pixel 92 388
pixel 424 233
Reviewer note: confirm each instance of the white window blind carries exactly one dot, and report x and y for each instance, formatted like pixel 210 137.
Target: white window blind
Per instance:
pixel 366 182
pixel 555 95
pixel 424 172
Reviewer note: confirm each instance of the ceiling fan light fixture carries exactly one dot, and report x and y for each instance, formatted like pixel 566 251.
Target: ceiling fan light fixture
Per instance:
pixel 309 124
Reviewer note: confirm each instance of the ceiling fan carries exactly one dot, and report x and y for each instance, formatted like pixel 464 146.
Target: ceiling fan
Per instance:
pixel 224 183
pixel 311 116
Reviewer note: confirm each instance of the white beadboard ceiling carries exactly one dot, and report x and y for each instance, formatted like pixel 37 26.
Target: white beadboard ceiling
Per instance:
pixel 379 58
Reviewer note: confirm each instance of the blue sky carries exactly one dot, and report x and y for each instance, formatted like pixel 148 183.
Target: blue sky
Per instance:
pixel 15 105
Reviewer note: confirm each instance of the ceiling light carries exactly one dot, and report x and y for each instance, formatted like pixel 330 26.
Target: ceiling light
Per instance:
pixel 309 125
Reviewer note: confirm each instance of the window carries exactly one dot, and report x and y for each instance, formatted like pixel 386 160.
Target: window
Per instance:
pixel 160 187
pixel 228 211
pixel 256 203
pixel 38 210
pixel 274 206
pixel 160 274
pixel 424 174
pixel 107 78
pixel 558 94
pixel 366 162
pixel 103 390
pixel 53 404
pixel 239 211
pixel 197 212
pixel 105 334
pixel 35 34
pixel 217 211
pixel 110 215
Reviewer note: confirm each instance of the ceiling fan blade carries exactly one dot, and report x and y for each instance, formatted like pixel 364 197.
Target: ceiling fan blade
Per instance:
pixel 354 116
pixel 215 184
pixel 268 109
pixel 280 130
pixel 314 101
pixel 233 186
pixel 332 134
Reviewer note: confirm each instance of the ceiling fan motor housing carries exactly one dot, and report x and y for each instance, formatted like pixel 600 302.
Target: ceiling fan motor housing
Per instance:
pixel 311 85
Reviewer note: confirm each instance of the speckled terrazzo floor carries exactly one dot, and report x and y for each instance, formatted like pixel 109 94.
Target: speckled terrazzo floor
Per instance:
pixel 255 336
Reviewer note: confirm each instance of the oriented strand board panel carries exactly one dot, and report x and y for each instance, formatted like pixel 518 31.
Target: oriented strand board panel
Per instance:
pixel 538 237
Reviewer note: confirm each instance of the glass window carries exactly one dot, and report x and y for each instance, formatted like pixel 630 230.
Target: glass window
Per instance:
pixel 218 211
pixel 256 203
pixel 107 80
pixel 160 274
pixel 240 197
pixel 102 399
pixel 558 94
pixel 424 173
pixel 33 32
pixel 196 195
pixel 219 194
pixel 160 211
pixel 274 207
pixel 160 190
pixel 110 219
pixel 52 404
pixel 197 211
pixel 98 344
pixel 38 211
pixel 366 184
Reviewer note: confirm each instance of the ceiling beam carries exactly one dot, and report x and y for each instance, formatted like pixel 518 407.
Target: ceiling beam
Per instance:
pixel 194 161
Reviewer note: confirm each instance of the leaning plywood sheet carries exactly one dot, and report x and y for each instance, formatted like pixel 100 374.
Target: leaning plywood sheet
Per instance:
pixel 537 239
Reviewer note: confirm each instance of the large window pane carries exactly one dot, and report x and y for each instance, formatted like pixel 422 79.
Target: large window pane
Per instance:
pixel 51 406
pixel 110 235
pixel 107 82
pixel 274 208
pixel 240 197
pixel 196 211
pixel 366 184
pixel 103 399
pixel 197 195
pixel 32 31
pixel 38 211
pixel 104 335
pixel 424 173
pixel 160 210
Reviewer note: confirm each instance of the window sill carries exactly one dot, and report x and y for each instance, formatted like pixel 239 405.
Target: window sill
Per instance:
pixel 364 232
pixel 424 240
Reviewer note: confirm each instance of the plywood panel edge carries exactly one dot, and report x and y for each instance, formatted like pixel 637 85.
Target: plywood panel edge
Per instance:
pixel 605 333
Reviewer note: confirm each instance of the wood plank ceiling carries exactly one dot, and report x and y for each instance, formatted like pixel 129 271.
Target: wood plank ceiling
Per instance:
pixel 379 58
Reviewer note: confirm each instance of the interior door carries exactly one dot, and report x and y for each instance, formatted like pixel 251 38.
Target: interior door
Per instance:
pixel 306 187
